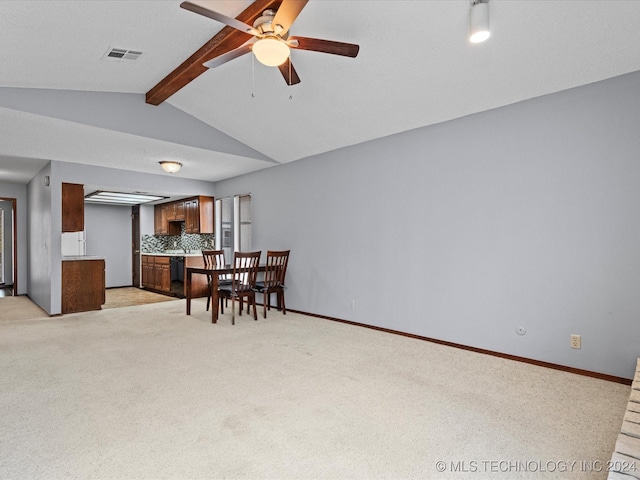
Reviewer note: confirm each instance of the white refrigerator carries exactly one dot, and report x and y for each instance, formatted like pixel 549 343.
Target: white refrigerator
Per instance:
pixel 74 244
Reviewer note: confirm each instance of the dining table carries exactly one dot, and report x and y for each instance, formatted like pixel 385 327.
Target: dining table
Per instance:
pixel 214 274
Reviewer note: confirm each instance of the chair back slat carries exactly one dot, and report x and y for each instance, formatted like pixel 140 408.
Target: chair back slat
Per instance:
pixel 276 268
pixel 245 270
pixel 213 258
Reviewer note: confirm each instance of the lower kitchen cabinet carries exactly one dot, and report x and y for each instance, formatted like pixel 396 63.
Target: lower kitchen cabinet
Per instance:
pixel 83 285
pixel 156 273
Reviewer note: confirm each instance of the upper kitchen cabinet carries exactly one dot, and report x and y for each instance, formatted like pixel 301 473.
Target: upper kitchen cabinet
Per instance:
pixel 160 222
pixel 72 207
pixel 195 212
pixel 199 215
pixel 175 211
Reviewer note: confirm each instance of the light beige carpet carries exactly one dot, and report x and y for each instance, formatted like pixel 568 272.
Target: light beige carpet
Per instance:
pixel 148 392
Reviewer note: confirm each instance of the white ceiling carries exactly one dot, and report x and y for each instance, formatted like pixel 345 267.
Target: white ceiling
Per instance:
pixel 415 68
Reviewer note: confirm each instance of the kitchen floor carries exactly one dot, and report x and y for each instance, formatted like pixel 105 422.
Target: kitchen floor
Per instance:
pixel 131 296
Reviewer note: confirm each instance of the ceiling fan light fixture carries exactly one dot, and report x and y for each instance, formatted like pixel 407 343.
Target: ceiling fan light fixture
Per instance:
pixel 479 21
pixel 271 51
pixel 170 166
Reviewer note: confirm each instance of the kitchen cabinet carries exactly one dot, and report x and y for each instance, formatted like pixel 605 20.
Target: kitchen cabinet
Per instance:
pixel 192 217
pixel 199 215
pixel 72 207
pixel 148 279
pixel 156 273
pixel 83 285
pixel 175 211
pixel 195 212
pixel 160 222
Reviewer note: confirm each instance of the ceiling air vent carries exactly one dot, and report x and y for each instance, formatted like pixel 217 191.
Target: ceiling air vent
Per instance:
pixel 123 54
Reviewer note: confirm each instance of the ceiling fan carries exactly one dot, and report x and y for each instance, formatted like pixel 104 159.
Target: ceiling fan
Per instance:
pixel 271 42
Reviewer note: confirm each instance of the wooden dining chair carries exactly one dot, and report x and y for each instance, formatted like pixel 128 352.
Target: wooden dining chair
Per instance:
pixel 273 282
pixel 215 259
pixel 243 283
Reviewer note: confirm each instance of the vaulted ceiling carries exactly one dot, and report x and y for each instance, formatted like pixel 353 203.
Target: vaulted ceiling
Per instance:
pixel 62 98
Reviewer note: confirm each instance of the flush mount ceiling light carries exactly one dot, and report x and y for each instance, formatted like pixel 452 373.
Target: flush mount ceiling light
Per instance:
pixel 479 21
pixel 170 167
pixel 119 198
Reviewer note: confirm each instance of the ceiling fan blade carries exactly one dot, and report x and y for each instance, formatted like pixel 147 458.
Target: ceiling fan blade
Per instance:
pixel 225 57
pixel 287 13
pixel 289 73
pixel 232 22
pixel 324 46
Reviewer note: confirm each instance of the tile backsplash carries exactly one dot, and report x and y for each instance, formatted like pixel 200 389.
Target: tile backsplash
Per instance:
pixel 184 241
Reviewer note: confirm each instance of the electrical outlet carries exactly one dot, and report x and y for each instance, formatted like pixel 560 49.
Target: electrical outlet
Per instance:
pixel 576 341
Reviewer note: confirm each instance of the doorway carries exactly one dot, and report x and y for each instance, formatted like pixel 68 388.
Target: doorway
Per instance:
pixel 135 246
pixel 8 247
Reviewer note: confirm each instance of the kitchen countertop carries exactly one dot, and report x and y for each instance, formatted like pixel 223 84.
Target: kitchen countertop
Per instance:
pixel 81 257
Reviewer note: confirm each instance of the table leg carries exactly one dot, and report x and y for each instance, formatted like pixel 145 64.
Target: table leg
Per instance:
pixel 214 299
pixel 188 291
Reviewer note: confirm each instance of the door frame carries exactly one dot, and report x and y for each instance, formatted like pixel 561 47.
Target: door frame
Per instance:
pixel 136 274
pixel 14 253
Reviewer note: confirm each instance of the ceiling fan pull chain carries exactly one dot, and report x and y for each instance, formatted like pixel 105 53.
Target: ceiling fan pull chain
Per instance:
pixel 290 96
pixel 253 77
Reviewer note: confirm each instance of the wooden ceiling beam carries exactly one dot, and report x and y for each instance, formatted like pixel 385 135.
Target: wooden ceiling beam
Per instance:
pixel 224 41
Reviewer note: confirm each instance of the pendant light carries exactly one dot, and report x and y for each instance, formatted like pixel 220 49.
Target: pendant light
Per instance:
pixel 479 21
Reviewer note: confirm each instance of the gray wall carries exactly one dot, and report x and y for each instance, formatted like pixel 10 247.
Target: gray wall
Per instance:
pixel 146 220
pixel 108 234
pixel 527 215
pixel 19 192
pixel 42 249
